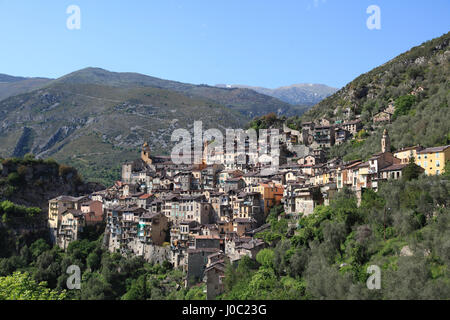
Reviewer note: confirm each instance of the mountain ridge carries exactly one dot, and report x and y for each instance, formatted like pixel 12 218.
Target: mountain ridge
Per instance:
pixel 306 94
pixel 246 101
pixel 13 85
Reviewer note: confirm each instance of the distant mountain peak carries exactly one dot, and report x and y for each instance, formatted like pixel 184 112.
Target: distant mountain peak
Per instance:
pixel 307 94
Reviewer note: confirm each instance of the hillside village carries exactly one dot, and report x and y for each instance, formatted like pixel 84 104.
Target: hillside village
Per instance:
pixel 198 216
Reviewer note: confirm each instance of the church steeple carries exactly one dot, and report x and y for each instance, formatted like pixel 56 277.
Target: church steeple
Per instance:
pixel 385 142
pixel 145 153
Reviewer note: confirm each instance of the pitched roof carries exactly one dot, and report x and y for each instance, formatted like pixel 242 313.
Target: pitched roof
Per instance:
pixel 149 215
pixel 244 220
pixel 434 149
pixel 204 237
pixel 212 250
pixel 363 165
pixel 394 167
pixel 251 244
pixel 68 198
pixel 409 148
pixel 352 122
pixel 216 254
pixel 74 212
pixel 259 229
pixel 219 265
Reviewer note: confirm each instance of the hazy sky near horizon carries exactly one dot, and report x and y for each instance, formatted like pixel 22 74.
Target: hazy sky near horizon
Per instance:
pixel 266 43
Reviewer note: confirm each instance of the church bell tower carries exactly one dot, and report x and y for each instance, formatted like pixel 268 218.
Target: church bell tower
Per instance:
pixel 145 154
pixel 385 142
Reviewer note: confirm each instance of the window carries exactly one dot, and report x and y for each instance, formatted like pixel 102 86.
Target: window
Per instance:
pixel 438 163
pixel 437 172
pixel 437 155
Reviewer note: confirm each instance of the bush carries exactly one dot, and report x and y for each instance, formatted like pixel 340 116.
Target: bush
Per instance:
pixel 265 258
pixel 403 105
pixel 14 179
pixel 21 286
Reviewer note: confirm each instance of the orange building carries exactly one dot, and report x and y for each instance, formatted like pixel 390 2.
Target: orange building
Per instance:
pixel 271 194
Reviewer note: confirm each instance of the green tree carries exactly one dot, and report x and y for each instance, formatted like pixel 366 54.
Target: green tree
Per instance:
pixel 265 258
pixel 403 104
pixel 96 289
pixel 411 171
pixel 94 260
pixel 21 286
pixel 196 293
pixel 447 169
pixel 38 247
pixel 139 290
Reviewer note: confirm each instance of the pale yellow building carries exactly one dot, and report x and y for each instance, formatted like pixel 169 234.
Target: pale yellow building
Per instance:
pixel 72 223
pixel 60 204
pixel 406 153
pixel 433 160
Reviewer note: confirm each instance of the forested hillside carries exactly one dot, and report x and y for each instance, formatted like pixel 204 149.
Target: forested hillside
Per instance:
pixel 417 83
pixel 404 229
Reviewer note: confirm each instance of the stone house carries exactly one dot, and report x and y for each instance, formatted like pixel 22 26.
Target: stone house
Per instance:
pixel 59 205
pixel 214 275
pixel 189 208
pixel 242 225
pixel 196 262
pixel 393 171
pixel 153 228
pixel 72 223
pixel 93 212
pixel 353 126
pixel 234 184
pixel 382 116
pixel 306 199
pixel 324 136
pixel 144 200
pixel 341 135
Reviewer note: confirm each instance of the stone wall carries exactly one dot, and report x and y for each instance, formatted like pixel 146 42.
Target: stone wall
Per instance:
pixel 151 253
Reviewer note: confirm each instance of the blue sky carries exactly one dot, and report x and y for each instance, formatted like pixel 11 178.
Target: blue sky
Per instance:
pixel 256 42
